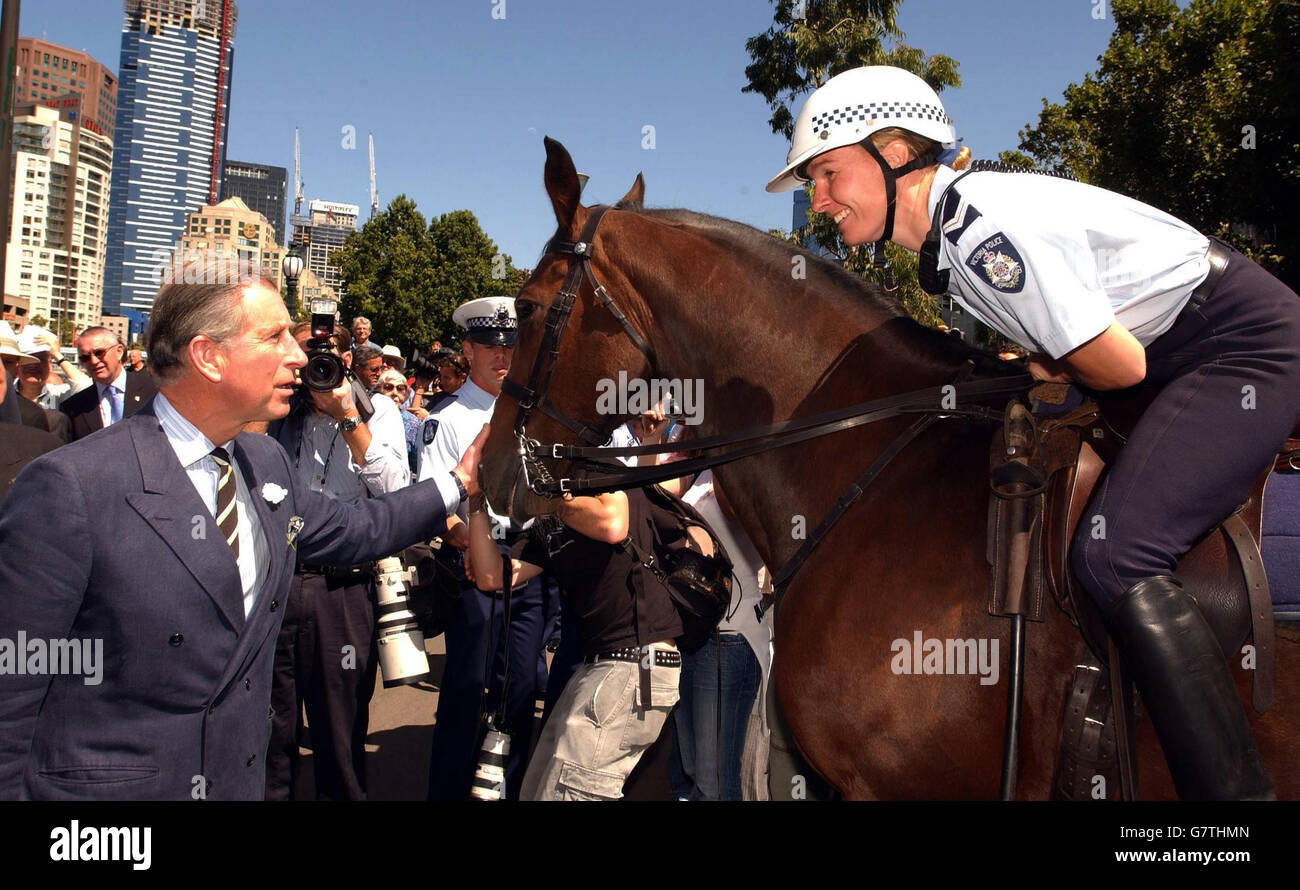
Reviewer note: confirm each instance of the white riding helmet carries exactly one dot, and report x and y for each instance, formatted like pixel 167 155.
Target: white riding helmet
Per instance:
pixel 851 106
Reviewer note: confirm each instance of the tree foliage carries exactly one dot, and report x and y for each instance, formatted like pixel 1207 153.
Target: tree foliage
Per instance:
pixel 408 276
pixel 1193 112
pixel 811 41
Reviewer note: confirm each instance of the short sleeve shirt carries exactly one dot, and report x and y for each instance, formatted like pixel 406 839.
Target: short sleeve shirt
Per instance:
pixel 1051 263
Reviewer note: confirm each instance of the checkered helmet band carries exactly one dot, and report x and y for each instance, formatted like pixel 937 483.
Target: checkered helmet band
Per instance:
pixel 880 111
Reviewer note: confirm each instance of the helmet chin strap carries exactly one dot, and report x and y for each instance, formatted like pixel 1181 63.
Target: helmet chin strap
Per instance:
pixel 892 175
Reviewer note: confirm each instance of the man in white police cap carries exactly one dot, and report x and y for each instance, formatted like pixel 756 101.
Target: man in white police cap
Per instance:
pixel 490 327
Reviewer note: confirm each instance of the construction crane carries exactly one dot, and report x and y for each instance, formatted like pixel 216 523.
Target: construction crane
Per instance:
pixel 222 108
pixel 297 176
pixel 374 197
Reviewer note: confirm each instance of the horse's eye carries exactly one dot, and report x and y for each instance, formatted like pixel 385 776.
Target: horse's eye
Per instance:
pixel 523 309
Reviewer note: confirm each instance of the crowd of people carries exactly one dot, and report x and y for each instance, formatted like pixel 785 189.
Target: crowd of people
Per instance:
pixel 576 634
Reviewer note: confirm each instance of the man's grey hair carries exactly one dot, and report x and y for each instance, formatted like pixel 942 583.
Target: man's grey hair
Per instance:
pixel 365 352
pixel 182 312
pixel 97 329
pixel 361 319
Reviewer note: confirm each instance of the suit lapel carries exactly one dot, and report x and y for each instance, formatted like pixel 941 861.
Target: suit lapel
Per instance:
pixel 173 508
pixel 139 392
pixel 94 417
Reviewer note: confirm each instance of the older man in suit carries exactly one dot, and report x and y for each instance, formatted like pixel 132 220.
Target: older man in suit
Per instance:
pixel 183 536
pixel 115 394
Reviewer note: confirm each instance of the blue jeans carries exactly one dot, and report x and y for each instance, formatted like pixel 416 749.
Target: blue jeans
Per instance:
pixel 700 760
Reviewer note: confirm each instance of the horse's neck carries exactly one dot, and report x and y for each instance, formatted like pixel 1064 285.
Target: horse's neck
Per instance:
pixel 833 353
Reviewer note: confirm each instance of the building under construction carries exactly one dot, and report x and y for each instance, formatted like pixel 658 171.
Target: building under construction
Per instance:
pixel 173 110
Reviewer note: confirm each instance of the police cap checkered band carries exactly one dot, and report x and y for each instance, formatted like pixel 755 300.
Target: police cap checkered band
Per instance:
pixel 501 321
pixel 882 111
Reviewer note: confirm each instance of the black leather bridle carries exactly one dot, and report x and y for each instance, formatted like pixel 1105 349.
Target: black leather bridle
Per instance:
pixel 535 394
pixel 601 474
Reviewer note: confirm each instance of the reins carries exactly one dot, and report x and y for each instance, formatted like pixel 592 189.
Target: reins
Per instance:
pixel 603 475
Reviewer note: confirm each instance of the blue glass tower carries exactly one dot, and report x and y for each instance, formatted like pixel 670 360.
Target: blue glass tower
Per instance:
pixel 172 114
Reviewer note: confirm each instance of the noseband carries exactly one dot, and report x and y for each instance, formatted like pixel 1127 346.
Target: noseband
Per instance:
pixel 536 394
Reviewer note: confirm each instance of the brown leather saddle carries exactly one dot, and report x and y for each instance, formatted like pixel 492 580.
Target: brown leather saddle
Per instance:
pixel 1044 468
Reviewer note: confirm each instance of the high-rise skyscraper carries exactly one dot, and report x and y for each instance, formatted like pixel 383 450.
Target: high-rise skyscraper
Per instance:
pixel 169 148
pixel 260 187
pixel 55 254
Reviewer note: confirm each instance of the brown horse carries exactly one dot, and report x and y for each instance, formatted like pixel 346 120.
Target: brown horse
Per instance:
pixel 774 334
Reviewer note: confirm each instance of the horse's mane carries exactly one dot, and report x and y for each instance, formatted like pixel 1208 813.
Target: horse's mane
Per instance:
pixel 831 280
pixel 766 249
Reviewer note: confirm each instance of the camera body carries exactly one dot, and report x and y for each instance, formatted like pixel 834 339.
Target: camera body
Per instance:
pixel 324 370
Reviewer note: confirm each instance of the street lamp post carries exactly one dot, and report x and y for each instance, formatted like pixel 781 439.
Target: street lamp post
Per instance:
pixel 291 265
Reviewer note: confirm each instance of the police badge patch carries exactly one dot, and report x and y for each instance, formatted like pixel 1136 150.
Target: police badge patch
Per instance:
pixel 999 263
pixel 430 430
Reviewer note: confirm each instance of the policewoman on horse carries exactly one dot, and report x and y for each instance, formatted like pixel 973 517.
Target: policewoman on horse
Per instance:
pixel 1107 292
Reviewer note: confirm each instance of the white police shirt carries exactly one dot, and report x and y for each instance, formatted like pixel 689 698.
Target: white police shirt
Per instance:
pixel 1051 263
pixel 449 430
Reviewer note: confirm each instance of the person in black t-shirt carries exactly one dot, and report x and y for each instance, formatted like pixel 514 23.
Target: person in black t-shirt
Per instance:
pixel 615 704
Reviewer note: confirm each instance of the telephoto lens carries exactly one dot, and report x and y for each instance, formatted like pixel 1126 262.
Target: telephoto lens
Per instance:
pixel 401 642
pixel 490 773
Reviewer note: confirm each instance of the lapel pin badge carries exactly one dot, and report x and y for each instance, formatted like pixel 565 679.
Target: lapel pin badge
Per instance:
pixel 291 534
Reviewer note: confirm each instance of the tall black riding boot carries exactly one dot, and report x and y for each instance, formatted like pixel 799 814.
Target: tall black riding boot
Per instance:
pixel 1188 690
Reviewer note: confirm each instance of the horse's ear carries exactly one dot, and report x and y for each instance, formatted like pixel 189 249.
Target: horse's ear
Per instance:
pixel 562 183
pixel 635 197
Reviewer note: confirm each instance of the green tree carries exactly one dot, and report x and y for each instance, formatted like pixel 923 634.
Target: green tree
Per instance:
pixel 810 42
pixel 1193 112
pixel 408 275
pixel 387 270
pixel 467 266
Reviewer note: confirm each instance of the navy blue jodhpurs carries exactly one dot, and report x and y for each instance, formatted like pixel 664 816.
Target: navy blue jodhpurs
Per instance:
pixel 1230 371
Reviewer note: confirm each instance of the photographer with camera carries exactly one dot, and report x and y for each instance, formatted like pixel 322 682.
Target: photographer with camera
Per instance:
pixel 348 447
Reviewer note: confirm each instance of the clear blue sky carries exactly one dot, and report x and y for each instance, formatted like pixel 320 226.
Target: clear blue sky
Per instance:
pixel 459 101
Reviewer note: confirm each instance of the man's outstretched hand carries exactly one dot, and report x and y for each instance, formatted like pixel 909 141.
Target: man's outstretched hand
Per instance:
pixel 467 469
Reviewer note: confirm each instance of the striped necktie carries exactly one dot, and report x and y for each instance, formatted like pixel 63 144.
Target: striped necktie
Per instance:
pixel 227 515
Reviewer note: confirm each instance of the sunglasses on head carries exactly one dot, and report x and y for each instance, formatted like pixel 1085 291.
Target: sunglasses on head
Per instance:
pixel 84 357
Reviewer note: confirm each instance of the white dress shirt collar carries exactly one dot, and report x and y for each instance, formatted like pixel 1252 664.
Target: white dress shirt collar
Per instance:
pixel 186 439
pixel 119 383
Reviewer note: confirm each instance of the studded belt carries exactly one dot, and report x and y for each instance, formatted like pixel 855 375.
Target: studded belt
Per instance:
pixel 635 654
